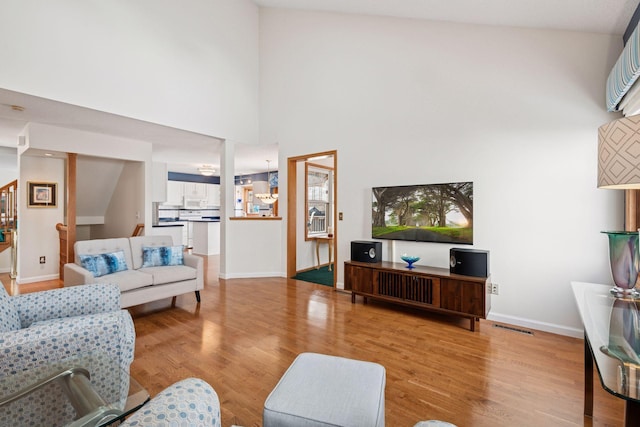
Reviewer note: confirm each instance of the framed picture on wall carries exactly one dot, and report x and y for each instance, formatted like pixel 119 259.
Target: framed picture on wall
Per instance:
pixel 42 194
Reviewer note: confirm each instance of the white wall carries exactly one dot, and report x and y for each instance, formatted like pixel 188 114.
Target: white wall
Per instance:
pixel 83 232
pixel 8 165
pixel 37 234
pixel 192 64
pixel 55 138
pixel 254 249
pixel 96 182
pixel 516 111
pixel 126 206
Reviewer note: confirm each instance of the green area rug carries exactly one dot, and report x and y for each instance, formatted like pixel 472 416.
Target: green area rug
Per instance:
pixel 321 276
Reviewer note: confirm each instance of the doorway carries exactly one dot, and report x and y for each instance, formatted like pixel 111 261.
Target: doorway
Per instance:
pixel 298 217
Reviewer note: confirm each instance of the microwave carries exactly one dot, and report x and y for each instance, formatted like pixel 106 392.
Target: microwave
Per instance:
pixel 194 203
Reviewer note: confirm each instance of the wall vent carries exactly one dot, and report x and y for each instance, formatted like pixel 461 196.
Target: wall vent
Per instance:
pixel 511 328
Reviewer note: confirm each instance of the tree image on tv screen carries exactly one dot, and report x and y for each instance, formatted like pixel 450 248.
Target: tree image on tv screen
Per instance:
pixel 426 213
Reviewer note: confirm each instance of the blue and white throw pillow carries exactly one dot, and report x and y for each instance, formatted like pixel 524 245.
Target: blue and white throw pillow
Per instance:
pixel 102 264
pixel 162 255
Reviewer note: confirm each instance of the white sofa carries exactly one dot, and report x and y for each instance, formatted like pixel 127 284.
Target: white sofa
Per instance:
pixel 138 284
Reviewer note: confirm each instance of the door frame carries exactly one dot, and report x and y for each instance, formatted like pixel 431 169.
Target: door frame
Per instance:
pixel 292 205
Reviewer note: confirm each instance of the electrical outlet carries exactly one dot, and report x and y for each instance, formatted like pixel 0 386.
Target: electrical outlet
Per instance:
pixel 495 289
pixel 43 260
pixel 340 216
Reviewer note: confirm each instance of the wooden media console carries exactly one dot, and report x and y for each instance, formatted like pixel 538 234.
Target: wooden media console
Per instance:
pixel 428 288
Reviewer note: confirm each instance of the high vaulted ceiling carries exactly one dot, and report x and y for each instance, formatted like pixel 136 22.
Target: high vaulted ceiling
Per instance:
pixel 598 16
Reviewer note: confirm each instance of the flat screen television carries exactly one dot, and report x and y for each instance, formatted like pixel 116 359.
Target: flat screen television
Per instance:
pixel 441 213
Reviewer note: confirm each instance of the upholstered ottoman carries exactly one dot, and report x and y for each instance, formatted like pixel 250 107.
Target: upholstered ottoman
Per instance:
pixel 321 390
pixel 434 423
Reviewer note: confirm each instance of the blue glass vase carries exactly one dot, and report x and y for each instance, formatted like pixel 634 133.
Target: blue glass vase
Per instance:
pixel 410 260
pixel 624 257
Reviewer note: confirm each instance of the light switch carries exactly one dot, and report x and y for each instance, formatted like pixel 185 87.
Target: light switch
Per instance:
pixel 340 216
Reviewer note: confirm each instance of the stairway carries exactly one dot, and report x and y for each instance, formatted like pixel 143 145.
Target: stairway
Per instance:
pixel 8 213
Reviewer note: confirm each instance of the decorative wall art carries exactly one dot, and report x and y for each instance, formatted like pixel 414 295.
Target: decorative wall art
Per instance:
pixel 441 213
pixel 42 194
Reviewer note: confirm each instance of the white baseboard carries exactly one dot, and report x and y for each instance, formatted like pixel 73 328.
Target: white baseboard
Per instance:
pixel 250 275
pixel 5 270
pixel 535 324
pixel 21 281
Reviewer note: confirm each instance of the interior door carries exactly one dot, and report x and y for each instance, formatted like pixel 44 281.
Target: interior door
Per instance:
pixel 297 221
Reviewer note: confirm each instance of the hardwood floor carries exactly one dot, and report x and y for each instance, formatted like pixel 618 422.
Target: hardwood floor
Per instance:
pixel 246 332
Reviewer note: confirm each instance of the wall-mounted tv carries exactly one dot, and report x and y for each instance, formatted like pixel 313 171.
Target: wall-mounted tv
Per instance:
pixel 440 213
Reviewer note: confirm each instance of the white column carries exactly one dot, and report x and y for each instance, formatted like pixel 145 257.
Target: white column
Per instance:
pixel 227 195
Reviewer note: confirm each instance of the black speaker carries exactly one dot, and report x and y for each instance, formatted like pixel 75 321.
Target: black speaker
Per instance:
pixel 364 251
pixel 469 262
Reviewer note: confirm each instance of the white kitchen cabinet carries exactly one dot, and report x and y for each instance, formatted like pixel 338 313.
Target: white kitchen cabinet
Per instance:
pixel 186 237
pixel 158 182
pixel 175 193
pixel 195 190
pixel 213 195
pixel 175 230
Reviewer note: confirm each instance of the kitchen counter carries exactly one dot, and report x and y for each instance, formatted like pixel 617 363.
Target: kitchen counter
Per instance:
pixel 190 235
pixel 171 221
pixel 206 236
pixel 173 229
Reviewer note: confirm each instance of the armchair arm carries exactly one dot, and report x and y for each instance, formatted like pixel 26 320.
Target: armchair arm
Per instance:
pixel 76 275
pixel 196 262
pixel 66 302
pixel 189 402
pixel 44 343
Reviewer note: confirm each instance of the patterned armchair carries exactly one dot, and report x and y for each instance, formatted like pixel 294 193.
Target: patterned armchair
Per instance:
pixel 189 402
pixel 57 329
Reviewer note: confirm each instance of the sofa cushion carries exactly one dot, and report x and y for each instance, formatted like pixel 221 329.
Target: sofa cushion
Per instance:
pixel 170 273
pixel 162 255
pixel 127 280
pixel 138 242
pixel 102 264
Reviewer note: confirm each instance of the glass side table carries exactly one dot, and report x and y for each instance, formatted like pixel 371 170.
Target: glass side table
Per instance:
pixel 88 390
pixel 612 342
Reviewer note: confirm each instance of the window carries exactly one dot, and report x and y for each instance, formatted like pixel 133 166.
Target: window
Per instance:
pixel 318 199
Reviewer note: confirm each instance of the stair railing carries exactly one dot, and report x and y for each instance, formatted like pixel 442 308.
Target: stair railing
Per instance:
pixel 138 230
